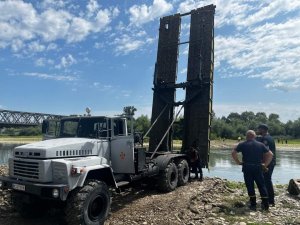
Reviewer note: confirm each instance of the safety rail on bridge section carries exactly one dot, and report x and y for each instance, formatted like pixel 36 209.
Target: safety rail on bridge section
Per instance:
pixel 10 118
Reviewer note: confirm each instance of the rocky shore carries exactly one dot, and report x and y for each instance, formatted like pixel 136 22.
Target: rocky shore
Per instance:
pixel 212 201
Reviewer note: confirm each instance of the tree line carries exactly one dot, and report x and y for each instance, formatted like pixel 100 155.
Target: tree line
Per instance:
pixel 235 125
pixel 231 127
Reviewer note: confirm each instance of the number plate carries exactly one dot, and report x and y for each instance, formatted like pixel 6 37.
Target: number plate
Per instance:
pixel 18 187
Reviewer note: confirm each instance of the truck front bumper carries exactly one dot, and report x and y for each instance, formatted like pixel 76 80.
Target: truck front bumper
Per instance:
pixel 46 191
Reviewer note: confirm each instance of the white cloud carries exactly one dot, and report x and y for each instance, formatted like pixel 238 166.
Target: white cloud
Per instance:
pixel 43 62
pixel 102 87
pixel 127 44
pixel 269 10
pixel 17 45
pixel 53 3
pixel 270 51
pixel 35 46
pixel 66 61
pixel 99 45
pixel 102 19
pixel 189 5
pixel 51 46
pixel 243 13
pixel 92 7
pixel 51 76
pixel 115 12
pixel 140 14
pixel 21 22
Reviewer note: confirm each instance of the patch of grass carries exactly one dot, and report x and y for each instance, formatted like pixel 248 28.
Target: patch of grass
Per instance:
pixel 235 185
pixel 20 139
pixel 281 186
pixel 293 141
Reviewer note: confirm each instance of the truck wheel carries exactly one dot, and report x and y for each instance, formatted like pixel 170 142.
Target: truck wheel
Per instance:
pixel 183 172
pixel 169 178
pixel 88 205
pixel 28 206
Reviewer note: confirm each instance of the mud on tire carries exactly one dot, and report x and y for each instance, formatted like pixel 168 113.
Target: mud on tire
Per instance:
pixel 168 178
pixel 183 172
pixel 88 205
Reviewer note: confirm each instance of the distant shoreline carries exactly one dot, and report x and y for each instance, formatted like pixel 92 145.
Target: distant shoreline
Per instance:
pixel 229 144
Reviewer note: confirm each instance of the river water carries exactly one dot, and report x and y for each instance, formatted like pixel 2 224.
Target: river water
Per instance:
pixel 222 165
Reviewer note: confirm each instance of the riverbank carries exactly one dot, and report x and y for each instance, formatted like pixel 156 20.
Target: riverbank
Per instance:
pixel 214 144
pixel 19 140
pixel 214 201
pixel 230 144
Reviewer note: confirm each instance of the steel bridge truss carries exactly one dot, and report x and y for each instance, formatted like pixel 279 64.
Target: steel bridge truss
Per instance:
pixel 10 118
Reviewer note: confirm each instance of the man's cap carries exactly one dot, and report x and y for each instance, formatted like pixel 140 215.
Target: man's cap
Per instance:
pixel 263 126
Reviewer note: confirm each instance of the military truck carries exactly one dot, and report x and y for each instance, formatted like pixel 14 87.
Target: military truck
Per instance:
pixel 84 157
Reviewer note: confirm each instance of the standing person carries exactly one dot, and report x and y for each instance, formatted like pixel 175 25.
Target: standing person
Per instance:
pixel 270 144
pixel 256 156
pixel 195 163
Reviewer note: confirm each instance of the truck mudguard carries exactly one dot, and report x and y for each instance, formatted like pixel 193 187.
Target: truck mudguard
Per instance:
pixel 163 160
pixel 101 172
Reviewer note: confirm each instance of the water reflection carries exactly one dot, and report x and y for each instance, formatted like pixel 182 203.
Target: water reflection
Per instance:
pixel 221 164
pixel 6 152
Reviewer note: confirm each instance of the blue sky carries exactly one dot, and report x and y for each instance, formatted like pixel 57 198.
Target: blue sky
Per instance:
pixel 63 56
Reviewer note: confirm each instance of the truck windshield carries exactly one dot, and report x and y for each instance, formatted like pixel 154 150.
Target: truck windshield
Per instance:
pixel 89 127
pixel 69 128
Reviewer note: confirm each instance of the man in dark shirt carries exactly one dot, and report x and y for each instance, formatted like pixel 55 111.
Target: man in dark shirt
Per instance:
pixel 255 156
pixel 270 144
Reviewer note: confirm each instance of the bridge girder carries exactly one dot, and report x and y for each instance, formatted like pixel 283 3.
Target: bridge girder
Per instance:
pixel 9 118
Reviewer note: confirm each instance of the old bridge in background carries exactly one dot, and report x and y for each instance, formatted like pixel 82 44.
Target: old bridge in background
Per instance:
pixel 10 118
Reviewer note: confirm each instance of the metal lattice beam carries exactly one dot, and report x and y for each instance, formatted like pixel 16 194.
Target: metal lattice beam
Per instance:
pixel 10 118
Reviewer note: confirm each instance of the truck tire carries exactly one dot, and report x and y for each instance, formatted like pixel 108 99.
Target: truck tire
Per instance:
pixel 28 206
pixel 88 205
pixel 183 172
pixel 168 179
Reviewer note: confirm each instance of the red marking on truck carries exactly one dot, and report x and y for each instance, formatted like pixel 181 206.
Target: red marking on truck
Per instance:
pixel 122 155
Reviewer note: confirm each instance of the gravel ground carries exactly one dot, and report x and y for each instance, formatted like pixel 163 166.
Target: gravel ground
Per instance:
pixel 212 201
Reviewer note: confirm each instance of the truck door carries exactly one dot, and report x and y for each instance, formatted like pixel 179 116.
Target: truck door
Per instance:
pixel 122 148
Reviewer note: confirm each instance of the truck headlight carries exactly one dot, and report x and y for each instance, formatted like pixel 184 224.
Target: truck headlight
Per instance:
pixel 55 193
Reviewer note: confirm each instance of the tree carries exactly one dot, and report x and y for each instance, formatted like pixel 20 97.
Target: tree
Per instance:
pixel 289 128
pixel 142 124
pixel 296 128
pixel 178 129
pixel 261 117
pixel 30 131
pixel 247 117
pixel 274 117
pixel 233 117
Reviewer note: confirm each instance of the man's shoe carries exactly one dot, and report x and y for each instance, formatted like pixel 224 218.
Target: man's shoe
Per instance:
pixel 252 207
pixel 265 207
pixel 272 204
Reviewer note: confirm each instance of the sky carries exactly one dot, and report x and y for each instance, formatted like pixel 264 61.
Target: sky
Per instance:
pixel 61 56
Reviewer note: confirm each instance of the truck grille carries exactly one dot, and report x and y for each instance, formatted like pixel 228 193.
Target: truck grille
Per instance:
pixel 26 169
